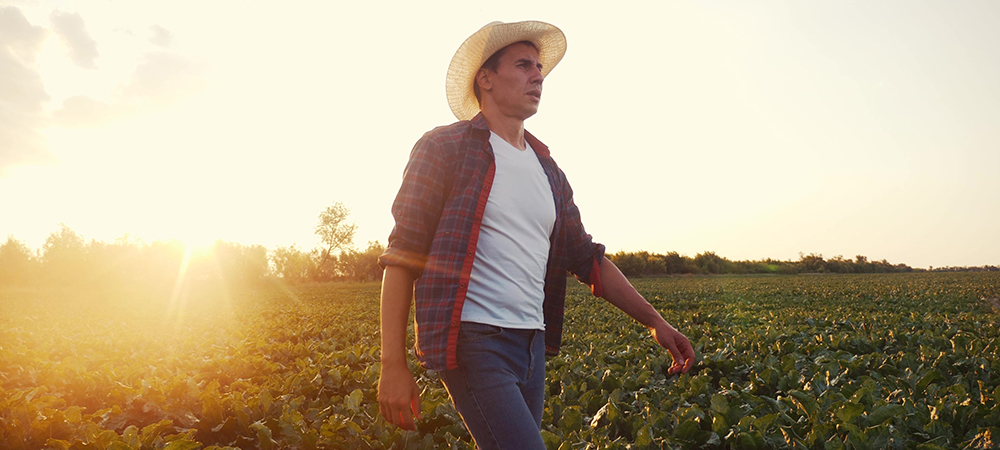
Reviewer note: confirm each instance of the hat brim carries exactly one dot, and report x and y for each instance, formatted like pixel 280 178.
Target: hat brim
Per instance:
pixel 551 43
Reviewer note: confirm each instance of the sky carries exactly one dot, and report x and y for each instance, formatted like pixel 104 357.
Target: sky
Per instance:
pixel 750 129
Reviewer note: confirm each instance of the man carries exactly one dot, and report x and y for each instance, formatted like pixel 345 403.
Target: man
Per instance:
pixel 486 230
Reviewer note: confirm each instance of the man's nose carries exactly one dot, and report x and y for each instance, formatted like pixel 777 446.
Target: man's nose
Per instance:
pixel 536 76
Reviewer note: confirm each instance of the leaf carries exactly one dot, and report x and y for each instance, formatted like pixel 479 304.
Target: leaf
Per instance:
pixel 131 436
pixel 550 439
pixel 263 435
pixel 849 412
pixel 644 437
pixel 353 401
pixel 73 415
pixel 265 400
pixel 686 430
pixel 884 413
pixel 719 404
pixel 745 441
pixel 610 381
pixel 149 433
pixel 613 412
pixel 220 426
pixel 694 412
pixel 719 423
pixel 764 422
pixel 183 444
pixel 354 427
pixel 572 418
pixel 57 444
pixel 930 377
pixel 834 443
pixel 805 402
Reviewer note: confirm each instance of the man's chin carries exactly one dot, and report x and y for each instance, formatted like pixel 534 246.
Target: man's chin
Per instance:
pixel 528 112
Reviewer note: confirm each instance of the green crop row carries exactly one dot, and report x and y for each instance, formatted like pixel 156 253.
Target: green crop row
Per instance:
pixel 838 361
pixel 886 361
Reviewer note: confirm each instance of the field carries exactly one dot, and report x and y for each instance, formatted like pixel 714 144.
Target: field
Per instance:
pixel 836 361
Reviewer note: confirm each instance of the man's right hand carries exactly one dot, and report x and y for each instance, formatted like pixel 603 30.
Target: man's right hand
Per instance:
pixel 398 395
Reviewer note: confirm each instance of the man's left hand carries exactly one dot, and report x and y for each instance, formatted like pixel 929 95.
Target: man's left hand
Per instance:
pixel 677 344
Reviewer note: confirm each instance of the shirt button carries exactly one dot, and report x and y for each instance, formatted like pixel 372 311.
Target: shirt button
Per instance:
pixel 454 323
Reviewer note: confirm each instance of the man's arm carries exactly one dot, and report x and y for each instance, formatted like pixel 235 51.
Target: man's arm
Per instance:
pixel 619 292
pixel 398 393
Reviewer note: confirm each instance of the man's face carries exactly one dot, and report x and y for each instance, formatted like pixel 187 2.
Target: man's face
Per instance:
pixel 515 89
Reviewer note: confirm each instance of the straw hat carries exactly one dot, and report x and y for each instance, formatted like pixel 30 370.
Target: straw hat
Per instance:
pixel 484 43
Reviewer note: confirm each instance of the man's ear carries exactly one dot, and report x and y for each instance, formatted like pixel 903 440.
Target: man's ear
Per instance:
pixel 483 79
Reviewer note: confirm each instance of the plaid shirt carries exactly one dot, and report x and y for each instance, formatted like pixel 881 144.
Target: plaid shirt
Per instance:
pixel 438 213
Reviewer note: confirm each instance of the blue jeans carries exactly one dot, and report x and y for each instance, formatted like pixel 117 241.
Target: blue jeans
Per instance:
pixel 499 385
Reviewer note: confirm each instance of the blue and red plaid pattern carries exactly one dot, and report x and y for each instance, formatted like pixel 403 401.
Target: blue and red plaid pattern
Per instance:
pixel 438 212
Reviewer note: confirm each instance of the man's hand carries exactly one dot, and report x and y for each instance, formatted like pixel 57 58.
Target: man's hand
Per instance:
pixel 398 396
pixel 677 344
pixel 619 292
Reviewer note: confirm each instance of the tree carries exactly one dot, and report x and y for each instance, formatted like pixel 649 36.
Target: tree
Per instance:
pixel 292 265
pixel 336 233
pixel 64 256
pixel 362 265
pixel 17 265
pixel 673 263
pixel 240 264
pixel 812 263
pixel 630 264
pixel 161 263
pixel 709 262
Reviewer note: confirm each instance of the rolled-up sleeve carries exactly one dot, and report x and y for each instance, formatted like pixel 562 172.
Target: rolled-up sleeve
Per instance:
pixel 417 208
pixel 583 254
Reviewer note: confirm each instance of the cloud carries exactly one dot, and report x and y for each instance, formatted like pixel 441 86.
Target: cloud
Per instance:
pixel 71 29
pixel 22 93
pixel 161 36
pixel 83 111
pixel 164 76
pixel 159 79
pixel 17 35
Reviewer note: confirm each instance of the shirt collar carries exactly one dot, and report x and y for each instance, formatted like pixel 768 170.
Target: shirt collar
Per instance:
pixel 479 123
pixel 536 145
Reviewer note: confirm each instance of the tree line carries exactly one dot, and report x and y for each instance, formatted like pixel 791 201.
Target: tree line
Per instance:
pixel 652 264
pixel 67 259
pixel 983 268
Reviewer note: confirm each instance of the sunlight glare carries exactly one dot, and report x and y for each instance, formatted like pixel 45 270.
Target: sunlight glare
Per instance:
pixel 178 301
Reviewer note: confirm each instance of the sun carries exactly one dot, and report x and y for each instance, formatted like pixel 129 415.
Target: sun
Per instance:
pixel 197 243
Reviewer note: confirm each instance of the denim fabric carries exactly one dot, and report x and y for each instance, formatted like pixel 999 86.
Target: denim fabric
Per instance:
pixel 499 385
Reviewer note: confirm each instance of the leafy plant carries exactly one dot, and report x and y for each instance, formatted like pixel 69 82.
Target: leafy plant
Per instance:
pixel 837 361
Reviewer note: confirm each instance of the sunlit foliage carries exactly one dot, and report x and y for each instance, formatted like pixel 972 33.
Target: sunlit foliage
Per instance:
pixel 67 259
pixel 840 361
pixel 651 264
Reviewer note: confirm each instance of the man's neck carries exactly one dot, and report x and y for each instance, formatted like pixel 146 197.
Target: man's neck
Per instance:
pixel 510 129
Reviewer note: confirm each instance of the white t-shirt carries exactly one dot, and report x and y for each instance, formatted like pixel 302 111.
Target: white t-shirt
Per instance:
pixel 507 285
